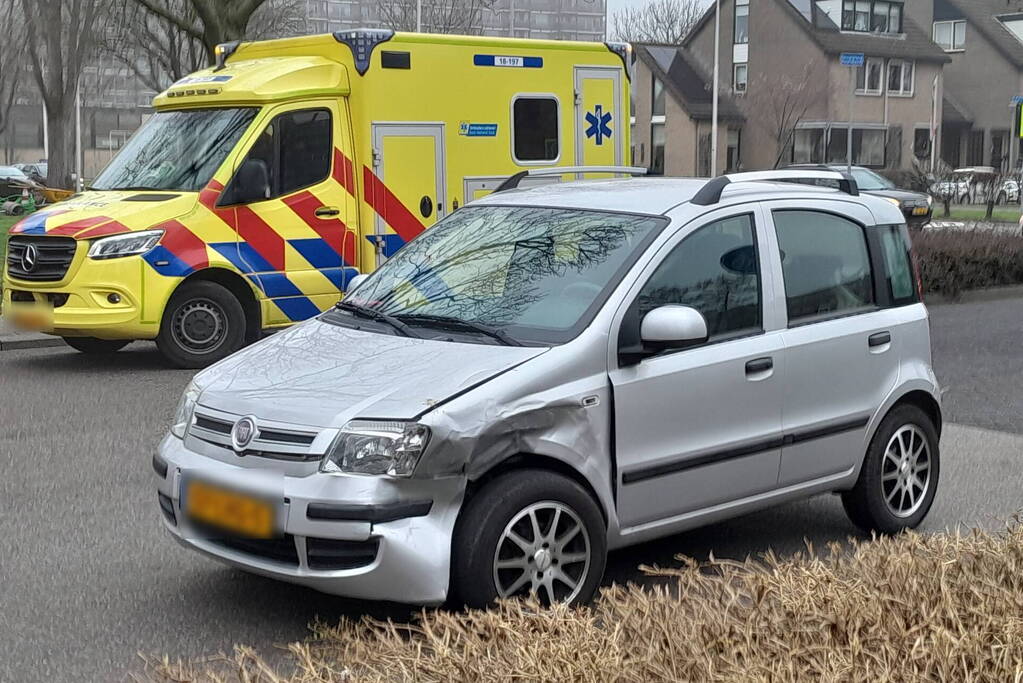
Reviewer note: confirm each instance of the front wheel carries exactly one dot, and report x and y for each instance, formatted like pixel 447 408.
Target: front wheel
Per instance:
pixel 529 532
pixel 899 476
pixel 203 323
pixel 94 346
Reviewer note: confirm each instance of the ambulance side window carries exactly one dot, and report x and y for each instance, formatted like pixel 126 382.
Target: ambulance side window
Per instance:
pixel 535 134
pixel 296 148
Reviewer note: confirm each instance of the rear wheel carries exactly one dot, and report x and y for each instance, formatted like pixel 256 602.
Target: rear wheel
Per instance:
pixel 94 346
pixel 529 531
pixel 203 323
pixel 899 476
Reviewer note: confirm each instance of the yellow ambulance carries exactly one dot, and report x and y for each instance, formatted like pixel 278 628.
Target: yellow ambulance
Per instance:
pixel 262 185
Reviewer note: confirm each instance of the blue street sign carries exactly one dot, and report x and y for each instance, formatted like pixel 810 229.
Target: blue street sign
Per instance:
pixel 851 59
pixel 1017 100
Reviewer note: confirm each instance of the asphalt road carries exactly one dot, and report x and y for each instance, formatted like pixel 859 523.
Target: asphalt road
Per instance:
pixel 88 578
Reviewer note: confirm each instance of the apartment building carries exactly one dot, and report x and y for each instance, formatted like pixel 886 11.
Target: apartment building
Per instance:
pixel 984 42
pixel 781 56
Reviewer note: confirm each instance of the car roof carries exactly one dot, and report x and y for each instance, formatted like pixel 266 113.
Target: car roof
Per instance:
pixel 652 196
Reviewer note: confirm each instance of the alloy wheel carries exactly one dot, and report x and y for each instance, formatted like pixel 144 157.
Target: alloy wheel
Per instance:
pixel 906 471
pixel 544 550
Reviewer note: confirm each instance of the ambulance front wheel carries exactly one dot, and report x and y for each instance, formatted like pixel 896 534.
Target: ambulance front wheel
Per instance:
pixel 203 322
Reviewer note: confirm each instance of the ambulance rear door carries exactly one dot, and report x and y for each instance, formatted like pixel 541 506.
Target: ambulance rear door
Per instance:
pixel 599 116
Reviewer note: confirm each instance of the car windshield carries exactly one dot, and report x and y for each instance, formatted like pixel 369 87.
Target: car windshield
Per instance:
pixel 868 180
pixel 11 172
pixel 530 273
pixel 176 150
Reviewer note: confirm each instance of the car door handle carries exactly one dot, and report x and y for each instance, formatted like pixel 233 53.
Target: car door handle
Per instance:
pixel 327 211
pixel 758 365
pixel 879 339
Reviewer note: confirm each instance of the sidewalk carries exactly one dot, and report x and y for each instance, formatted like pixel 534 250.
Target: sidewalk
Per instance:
pixel 12 339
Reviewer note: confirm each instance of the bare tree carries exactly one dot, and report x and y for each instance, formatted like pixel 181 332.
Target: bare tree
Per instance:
pixel 158 51
pixel 439 16
pixel 62 37
pixel 665 22
pixel 12 60
pixel 778 101
pixel 211 22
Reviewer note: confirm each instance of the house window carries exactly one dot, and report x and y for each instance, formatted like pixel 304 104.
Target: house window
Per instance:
pixel 922 143
pixel 808 146
pixel 741 34
pixel 657 149
pixel 739 77
pixel 950 35
pixel 868 77
pixel 880 16
pixel 732 161
pixel 657 108
pixel 867 146
pixel 900 77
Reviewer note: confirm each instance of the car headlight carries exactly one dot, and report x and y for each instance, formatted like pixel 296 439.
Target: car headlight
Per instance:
pixel 377 447
pixel 125 245
pixel 183 414
pixel 894 201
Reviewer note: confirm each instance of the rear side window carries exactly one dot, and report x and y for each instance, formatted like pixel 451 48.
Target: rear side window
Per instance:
pixel 535 129
pixel 825 264
pixel 716 271
pixel 898 264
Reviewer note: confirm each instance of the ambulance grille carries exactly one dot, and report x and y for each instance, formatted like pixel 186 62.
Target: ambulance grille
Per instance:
pixel 53 256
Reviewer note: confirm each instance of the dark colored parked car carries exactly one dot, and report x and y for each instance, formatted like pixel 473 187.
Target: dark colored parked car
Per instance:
pixel 915 206
pixel 9 176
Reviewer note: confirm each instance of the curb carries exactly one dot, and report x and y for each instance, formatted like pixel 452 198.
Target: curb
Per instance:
pixel 20 342
pixel 975 296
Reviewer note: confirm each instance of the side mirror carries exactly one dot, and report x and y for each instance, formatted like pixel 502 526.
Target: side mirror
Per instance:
pixel 251 183
pixel 355 282
pixel 673 327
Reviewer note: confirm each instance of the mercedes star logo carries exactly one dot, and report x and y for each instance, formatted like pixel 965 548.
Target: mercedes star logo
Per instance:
pixel 242 434
pixel 30 258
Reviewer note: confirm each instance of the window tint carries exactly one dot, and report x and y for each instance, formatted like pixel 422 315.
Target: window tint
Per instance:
pixel 825 265
pixel 296 148
pixel 898 266
pixel 714 270
pixel 535 130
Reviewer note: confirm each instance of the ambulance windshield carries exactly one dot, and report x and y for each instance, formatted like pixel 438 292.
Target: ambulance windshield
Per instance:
pixel 176 150
pixel 530 272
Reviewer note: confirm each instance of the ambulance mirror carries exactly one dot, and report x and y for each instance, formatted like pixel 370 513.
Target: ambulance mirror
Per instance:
pixel 251 182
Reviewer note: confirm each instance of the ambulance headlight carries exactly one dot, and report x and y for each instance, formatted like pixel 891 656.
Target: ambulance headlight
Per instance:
pixel 377 447
pixel 183 414
pixel 125 245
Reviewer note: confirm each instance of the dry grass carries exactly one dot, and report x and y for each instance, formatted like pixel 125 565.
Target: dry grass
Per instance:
pixel 939 608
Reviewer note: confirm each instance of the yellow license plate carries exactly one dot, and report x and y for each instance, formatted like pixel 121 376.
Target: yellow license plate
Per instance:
pixel 28 319
pixel 229 511
pixel 919 211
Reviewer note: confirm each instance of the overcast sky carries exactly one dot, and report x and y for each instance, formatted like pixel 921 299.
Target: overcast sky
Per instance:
pixel 615 5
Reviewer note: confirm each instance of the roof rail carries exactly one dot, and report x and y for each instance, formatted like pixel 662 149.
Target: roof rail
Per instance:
pixel 512 181
pixel 711 192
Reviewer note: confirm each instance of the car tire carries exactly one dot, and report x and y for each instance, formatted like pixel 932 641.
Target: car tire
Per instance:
pixel 96 347
pixel 203 323
pixel 497 526
pixel 904 452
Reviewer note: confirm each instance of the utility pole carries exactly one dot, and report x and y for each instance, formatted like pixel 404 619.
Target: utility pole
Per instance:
pixel 78 136
pixel 46 135
pixel 714 105
pixel 419 16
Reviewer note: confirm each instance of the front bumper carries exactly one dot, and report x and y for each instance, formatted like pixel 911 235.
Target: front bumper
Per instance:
pixel 917 221
pixel 400 558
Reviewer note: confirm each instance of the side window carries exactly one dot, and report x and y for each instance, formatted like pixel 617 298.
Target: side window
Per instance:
pixel 825 265
pixel 716 271
pixel 535 129
pixel 898 264
pixel 297 150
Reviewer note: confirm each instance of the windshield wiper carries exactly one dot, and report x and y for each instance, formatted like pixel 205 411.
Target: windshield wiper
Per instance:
pixel 373 314
pixel 457 323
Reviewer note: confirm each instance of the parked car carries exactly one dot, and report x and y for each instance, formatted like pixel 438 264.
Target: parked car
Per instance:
pixel 973 186
pixel 916 207
pixel 12 181
pixel 551 373
pixel 36 171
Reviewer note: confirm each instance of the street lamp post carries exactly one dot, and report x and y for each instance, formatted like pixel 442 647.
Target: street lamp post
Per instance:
pixel 714 100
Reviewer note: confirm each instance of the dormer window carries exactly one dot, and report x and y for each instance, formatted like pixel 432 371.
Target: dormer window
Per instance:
pixel 872 16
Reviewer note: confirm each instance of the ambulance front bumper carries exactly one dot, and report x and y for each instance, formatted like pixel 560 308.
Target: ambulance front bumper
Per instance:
pixel 358 537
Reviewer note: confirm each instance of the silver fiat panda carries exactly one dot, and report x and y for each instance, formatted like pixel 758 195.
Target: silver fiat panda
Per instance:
pixel 552 373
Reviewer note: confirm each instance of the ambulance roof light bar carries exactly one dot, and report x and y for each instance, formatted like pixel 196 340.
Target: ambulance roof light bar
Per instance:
pixel 711 192
pixel 512 182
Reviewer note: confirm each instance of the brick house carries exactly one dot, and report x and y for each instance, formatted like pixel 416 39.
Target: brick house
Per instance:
pixel 771 49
